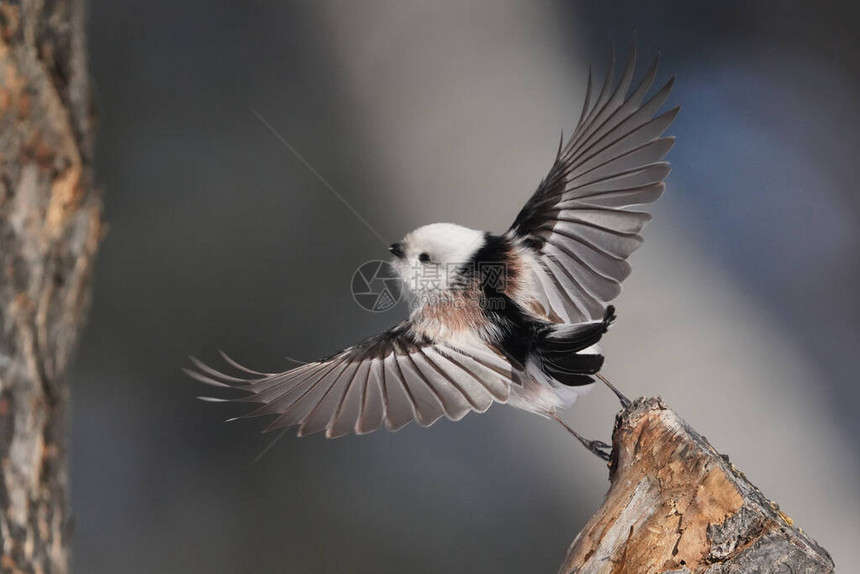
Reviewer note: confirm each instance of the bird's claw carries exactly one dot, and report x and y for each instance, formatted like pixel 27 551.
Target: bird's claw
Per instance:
pixel 600 448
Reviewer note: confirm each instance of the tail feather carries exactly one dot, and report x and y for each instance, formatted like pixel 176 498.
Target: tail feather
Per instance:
pixel 578 336
pixel 560 351
pixel 577 364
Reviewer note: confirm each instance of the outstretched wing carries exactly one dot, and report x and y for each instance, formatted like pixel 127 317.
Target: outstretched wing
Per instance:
pixel 391 378
pixel 581 221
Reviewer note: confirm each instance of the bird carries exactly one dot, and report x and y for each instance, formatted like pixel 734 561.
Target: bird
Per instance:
pixel 511 318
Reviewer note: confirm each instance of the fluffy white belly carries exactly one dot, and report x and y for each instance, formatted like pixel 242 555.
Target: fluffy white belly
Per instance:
pixel 540 394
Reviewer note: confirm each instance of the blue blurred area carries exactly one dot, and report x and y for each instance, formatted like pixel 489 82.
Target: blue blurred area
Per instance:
pixel 221 239
pixel 771 194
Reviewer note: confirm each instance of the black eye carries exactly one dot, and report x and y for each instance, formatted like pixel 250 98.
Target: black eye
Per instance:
pixel 424 258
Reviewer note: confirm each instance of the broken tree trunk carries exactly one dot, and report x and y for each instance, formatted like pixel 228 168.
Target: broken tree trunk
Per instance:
pixel 676 505
pixel 50 224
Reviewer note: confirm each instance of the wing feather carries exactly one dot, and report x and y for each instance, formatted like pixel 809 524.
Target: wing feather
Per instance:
pixel 391 379
pixel 455 402
pixel 612 104
pixel 373 403
pixel 299 402
pixel 346 416
pixel 483 369
pixel 326 408
pixel 429 405
pixel 580 224
pixel 401 408
pixel 475 394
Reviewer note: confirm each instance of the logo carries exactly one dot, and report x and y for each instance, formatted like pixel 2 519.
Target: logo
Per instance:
pixel 377 286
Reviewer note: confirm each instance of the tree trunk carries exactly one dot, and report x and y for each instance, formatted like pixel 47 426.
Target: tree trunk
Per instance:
pixel 50 225
pixel 676 505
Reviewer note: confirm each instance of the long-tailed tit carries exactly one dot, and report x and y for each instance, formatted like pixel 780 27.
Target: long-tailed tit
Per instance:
pixel 511 318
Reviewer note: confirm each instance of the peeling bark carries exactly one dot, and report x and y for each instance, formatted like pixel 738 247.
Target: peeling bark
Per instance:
pixel 676 505
pixel 50 225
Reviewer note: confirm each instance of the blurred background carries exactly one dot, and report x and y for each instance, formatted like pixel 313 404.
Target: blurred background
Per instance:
pixel 742 311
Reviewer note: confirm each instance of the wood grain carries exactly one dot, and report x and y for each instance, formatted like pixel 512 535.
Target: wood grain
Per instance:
pixel 50 227
pixel 677 505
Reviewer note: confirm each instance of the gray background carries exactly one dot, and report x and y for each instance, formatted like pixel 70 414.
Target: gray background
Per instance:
pixel 742 310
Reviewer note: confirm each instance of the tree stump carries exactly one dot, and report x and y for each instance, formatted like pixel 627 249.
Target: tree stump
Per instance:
pixel 677 505
pixel 50 226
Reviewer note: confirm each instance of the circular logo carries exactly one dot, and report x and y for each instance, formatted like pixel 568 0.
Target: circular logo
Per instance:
pixel 377 286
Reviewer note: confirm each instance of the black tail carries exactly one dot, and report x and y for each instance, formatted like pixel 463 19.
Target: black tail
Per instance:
pixel 559 350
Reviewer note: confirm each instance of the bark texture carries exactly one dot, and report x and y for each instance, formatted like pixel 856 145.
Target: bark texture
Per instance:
pixel 50 225
pixel 676 505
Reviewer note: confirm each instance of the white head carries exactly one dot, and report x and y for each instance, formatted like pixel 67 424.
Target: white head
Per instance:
pixel 429 257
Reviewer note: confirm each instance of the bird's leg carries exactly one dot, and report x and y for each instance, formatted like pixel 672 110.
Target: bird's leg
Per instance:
pixel 596 447
pixel 625 402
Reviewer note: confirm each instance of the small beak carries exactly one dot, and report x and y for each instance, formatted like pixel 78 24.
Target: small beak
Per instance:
pixel 397 250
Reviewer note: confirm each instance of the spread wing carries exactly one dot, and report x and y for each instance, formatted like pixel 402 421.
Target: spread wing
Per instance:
pixel 391 378
pixel 582 221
